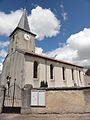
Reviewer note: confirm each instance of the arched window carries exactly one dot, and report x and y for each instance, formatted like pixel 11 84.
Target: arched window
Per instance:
pixel 72 70
pixel 63 73
pixel 80 75
pixel 72 74
pixel 51 71
pixel 35 69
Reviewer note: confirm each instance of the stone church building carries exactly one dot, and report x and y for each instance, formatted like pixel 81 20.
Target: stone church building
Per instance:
pixel 27 67
pixel 23 67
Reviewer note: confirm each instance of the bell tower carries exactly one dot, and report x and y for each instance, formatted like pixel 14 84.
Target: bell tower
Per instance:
pixel 21 38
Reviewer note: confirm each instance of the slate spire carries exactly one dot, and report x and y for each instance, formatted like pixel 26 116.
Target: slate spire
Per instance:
pixel 23 23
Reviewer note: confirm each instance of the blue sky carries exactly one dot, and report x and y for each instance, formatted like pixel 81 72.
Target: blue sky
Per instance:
pixel 74 20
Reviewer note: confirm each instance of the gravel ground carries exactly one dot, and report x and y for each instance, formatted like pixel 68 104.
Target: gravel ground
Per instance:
pixel 44 117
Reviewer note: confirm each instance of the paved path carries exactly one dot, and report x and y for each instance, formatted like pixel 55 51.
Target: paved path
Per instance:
pixel 45 117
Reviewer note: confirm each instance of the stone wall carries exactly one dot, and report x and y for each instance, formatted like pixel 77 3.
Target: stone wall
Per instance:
pixel 70 100
pixel 2 90
pixel 87 80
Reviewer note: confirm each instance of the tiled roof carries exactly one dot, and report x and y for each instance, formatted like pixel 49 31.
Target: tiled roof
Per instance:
pixel 48 58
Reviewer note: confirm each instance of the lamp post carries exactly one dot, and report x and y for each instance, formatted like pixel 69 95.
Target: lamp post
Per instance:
pixel 8 83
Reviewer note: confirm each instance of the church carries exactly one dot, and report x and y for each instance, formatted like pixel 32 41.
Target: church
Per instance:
pixel 47 77
pixel 27 67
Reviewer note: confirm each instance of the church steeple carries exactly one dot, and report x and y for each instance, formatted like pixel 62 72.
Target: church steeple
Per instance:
pixel 21 37
pixel 23 23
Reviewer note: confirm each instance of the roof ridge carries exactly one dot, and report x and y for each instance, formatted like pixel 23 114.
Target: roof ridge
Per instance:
pixel 46 57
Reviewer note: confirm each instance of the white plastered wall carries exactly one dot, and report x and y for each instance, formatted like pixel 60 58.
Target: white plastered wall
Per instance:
pixel 44 73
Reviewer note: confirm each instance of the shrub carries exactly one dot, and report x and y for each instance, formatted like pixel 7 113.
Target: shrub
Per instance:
pixel 43 84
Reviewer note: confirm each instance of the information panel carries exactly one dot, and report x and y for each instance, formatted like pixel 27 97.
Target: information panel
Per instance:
pixel 37 98
pixel 34 98
pixel 41 98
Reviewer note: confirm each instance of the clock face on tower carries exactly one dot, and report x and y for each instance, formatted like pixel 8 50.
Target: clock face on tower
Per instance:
pixel 27 36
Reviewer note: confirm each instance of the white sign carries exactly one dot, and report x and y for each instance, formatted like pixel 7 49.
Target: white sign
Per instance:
pixel 37 98
pixel 34 98
pixel 42 98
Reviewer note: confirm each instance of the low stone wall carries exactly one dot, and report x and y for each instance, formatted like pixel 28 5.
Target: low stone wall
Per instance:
pixel 59 100
pixel 64 101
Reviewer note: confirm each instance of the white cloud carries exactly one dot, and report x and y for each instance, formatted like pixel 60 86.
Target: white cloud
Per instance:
pixel 44 23
pixel 38 50
pixel 81 42
pixel 3 53
pixel 9 21
pixel 64 53
pixel 1 66
pixel 76 50
pixel 4 44
pixel 64 14
pixel 62 6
